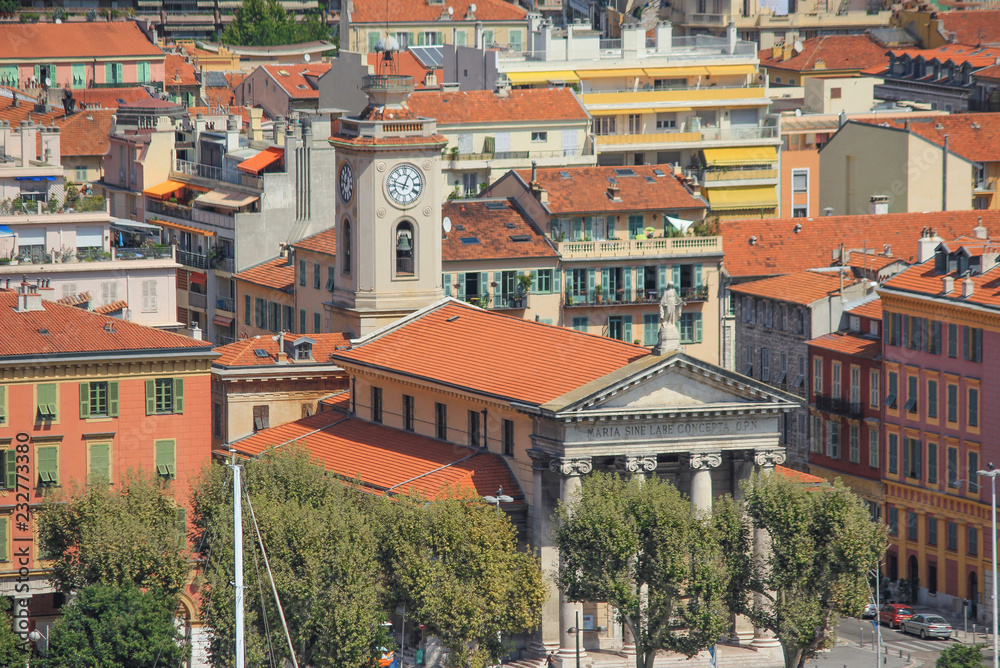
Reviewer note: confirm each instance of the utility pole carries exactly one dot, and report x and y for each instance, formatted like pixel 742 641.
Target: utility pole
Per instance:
pixel 238 546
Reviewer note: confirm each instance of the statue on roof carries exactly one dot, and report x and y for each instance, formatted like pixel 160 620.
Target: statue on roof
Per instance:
pixel 669 336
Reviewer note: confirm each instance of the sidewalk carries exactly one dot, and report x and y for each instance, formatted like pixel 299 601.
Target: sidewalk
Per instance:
pixel 963 628
pixel 853 656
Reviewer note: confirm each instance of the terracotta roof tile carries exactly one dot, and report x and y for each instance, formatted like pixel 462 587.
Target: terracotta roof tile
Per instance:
pixel 870 309
pixel 977 26
pixel 798 476
pixel 956 53
pixel 297 79
pixel 276 274
pixel 340 401
pixel 493 229
pixel 177 71
pixel 243 353
pixel 777 248
pixel 108 98
pixel 585 189
pixel 514 358
pixel 803 287
pixel 830 52
pixel 485 106
pixel 322 242
pixel 61 329
pixel 923 279
pixel 85 132
pixel 870 261
pixel 119 305
pixel 217 96
pixel 850 343
pixel 975 137
pixel 82 298
pixel 99 39
pixel 412 11
pixel 408 65
pixel 987 73
pixel 389 461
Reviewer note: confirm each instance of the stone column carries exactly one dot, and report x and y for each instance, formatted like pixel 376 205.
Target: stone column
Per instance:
pixel 543 505
pixel 741 628
pixel 570 470
pixel 766 460
pixel 638 466
pixel 702 464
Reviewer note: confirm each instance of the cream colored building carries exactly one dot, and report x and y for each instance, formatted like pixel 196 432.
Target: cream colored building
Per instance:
pixel 315 276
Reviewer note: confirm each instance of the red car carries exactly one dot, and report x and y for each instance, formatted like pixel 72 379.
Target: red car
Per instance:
pixel 894 613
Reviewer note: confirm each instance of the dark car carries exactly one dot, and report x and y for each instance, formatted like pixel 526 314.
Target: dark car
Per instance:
pixel 894 613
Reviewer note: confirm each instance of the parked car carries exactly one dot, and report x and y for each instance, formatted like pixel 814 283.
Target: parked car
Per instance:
pixel 870 611
pixel 894 613
pixel 927 626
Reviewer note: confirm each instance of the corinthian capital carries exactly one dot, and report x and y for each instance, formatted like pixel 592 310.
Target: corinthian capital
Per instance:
pixel 571 466
pixel 705 460
pixel 769 458
pixel 636 463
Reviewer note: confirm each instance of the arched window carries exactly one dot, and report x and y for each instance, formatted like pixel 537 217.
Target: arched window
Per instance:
pixel 404 249
pixel 346 243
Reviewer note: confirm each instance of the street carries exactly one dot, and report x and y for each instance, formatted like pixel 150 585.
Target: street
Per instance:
pixel 858 634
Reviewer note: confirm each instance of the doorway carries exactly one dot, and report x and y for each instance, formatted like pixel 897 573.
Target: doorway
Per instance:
pixel 973 595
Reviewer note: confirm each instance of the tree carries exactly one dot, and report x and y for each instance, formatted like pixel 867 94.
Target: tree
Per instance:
pixel 822 545
pixel 116 627
pixel 266 23
pixel 12 651
pixel 321 547
pixel 639 546
pixel 115 535
pixel 961 656
pixel 454 564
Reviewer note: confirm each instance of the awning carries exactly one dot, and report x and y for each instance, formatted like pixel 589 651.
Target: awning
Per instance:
pixel 164 190
pixel 749 155
pixel 616 112
pixel 610 73
pixel 678 223
pixel 222 321
pixel 5 231
pixel 257 163
pixel 198 277
pixel 743 197
pixel 721 70
pixel 671 72
pixel 34 178
pixel 229 199
pixel 568 76
pixel 183 228
pixel 125 225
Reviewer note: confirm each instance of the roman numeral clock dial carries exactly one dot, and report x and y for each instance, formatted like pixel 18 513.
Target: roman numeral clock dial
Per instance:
pixel 404 184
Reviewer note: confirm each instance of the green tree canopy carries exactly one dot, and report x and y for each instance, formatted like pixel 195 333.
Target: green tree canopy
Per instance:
pixel 321 548
pixel 455 565
pixel 266 23
pixel 128 533
pixel 116 627
pixel 12 650
pixel 823 544
pixel 961 656
pixel 639 546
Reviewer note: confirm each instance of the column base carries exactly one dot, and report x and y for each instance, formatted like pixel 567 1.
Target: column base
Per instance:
pixel 541 650
pixel 764 640
pixel 567 657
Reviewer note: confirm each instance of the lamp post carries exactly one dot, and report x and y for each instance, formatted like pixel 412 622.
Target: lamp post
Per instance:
pixel 576 630
pixel 498 499
pixel 878 611
pixel 992 473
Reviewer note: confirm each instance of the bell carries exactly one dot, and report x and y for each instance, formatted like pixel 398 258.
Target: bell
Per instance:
pixel 403 244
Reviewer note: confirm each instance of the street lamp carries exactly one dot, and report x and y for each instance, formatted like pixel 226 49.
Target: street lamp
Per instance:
pixel 576 630
pixel 877 623
pixel 992 473
pixel 498 499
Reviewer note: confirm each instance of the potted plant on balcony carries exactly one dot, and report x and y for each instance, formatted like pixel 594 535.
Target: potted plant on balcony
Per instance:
pixel 599 293
pixel 524 283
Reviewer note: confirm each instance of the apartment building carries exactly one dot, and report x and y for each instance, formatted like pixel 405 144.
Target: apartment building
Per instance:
pixel 942 77
pixel 265 296
pixel 792 63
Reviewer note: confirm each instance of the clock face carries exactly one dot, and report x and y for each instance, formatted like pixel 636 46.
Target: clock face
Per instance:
pixel 346 182
pixel 404 184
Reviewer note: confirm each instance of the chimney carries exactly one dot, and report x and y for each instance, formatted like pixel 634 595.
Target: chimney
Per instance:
pixel 282 355
pixel 947 285
pixel 927 245
pixel 256 133
pixel 967 287
pixel 503 89
pixel 989 259
pixel 279 129
pixel 979 231
pixel 731 38
pixel 828 211
pixel 614 191
pixel 879 204
pixel 195 331
pixel 28 298
pixel 534 173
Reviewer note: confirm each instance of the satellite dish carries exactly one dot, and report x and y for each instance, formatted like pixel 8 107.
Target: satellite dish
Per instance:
pixel 48 82
pixel 798 46
pixel 391 44
pixel 798 112
pixel 451 11
pixel 307 57
pixel 446 224
pixel 58 21
pixel 472 8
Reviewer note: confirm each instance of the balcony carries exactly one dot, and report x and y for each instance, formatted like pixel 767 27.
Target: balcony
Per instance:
pixel 739 175
pixel 500 302
pixel 190 214
pixel 224 264
pixel 635 141
pixel 850 409
pixel 519 157
pixel 195 260
pixel 226 304
pixel 709 19
pixel 84 259
pixel 619 248
pixel 197 300
pixel 388 82
pixel 627 296
pixel 698 294
pixel 212 173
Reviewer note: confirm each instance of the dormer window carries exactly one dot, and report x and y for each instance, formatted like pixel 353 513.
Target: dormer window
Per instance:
pixel 304 348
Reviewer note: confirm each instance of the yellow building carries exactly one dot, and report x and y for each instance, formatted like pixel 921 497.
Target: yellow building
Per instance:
pixel 265 299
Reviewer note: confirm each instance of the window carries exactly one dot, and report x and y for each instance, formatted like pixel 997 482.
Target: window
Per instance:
pixel 890 398
pixel 316 324
pixel 911 458
pixel 246 309
pixel 470 183
pixel 441 421
pixel 952 535
pixel 302 320
pixel 893 521
pixel 973 406
pixel 952 467
pixel 833 439
pixel 580 324
pixel 616 327
pixel 818 375
pixel 666 121
pixel 952 402
pixel 261 417
pixel 99 455
pixel 856 387
pixel 817 434
pixel 952 340
pixel 855 454
pixel 873 447
pixel 377 404
pixel 911 395
pixel 783 371
pixel 407 412
pixel 346 246
pixel 973 539
pixel 508 438
pixel 800 211
pixel 932 399
pixel 635 125
pixel 873 383
pixel 474 434
pixel 800 180
pixel 604 125
pixel 972 344
pixel 404 249
pixel 216 418
pixel 765 364
pixel 307 410
pixel 47 402
pixel 164 395
pixel 149 296
pixel 166 460
pixel 911 525
pixel 99 399
pixel 317 276
pixel 932 530
pixel 47 465
pixel 650 328
pixel 288 318
pixel 543 281
pixel 893 454
pixel 834 93
pixel 690 328
pixel 274 316
pixel 973 469
pixel 932 463
pixel 836 374
pixel 302 273
pixel 748 362
pixel 539 136
pixel 934 344
pixel 80 174
pixel 260 312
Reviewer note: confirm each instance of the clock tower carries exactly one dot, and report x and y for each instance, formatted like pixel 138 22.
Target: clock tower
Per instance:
pixel 388 257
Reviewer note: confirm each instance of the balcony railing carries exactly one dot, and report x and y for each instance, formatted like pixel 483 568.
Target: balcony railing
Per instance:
pixel 189 259
pixel 387 82
pixel 698 294
pixel 224 340
pixel 193 214
pixel 214 173
pixel 520 155
pixel 197 300
pixel 739 175
pixel 508 302
pixel 628 296
pixel 709 19
pixel 629 247
pixel 226 304
pixel 851 409
pixel 226 264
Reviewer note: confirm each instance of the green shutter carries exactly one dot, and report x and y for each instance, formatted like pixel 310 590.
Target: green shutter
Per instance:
pixel 10 469
pixel 677 277
pixel 109 72
pixel 113 398
pixel 557 280
pixel 54 75
pixel 460 279
pixel 446 284
pixel 610 229
pixel 178 395
pixel 3 539
pixel 697 327
pixel 3 404
pixel 48 403
pixel 150 397
pixel 100 459
pixel 79 75
pixel 420 38
pixel 84 400
pixel 48 465
pixel 38 75
pixel 627 328
pixel 484 285
pixel 697 275
pixel 534 280
pixel 591 277
pixel 605 273
pixel 663 280
pixel 165 459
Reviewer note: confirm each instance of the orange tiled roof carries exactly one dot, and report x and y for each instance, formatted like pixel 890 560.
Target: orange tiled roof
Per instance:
pixel 956 53
pixel 488 353
pixel 869 261
pixel 408 65
pixel 870 309
pixel 803 287
pixel 413 11
pixel 217 96
pixel 988 73
pixel 768 247
pixel 322 242
pixel 75 300
pixel 850 343
pixel 977 26
pixel 276 274
pixel 60 329
pixel 341 401
pixel 243 352
pixel 85 132
pixel 585 189
pixel 798 476
pixel 99 39
pixel 108 98
pixel 500 230
pixel 112 307
pixel 830 52
pixel 923 279
pixel 387 460
pixel 975 137
pixel 294 79
pixel 177 71
pixel 485 106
